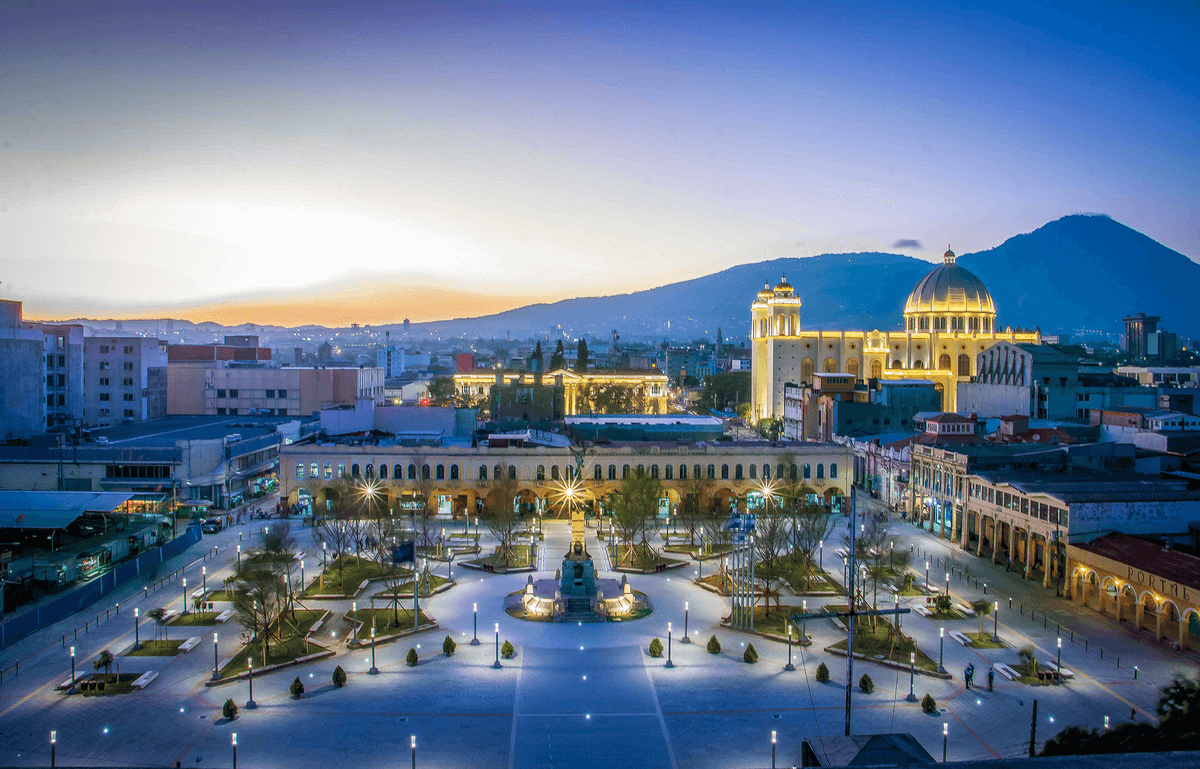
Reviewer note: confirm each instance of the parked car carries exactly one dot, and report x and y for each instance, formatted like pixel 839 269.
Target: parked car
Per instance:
pixel 213 525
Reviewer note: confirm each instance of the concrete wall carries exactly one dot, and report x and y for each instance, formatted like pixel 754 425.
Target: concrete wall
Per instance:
pixel 22 388
pixel 1093 519
pixel 990 401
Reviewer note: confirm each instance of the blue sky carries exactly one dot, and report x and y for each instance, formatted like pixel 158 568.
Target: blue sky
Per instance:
pixel 254 156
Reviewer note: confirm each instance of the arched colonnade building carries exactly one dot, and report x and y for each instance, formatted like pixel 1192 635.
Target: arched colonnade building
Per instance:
pixel 949 319
pixel 463 477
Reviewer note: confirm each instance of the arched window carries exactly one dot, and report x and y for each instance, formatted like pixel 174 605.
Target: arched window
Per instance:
pixel 512 472
pixel 669 472
pixel 354 470
pixel 383 472
pixel 483 472
pixel 612 472
pixel 807 471
pixel 653 471
pixel 497 471
pixel 541 472
pixel 737 472
pixel 441 472
pixel 554 476
pixel 329 471
pixel 780 471
pixel 766 472
pixel 964 365
pixel 753 471
pixel 876 369
pixel 806 371
pixel 425 472
pixel 397 472
pixel 944 362
pixel 820 472
pixel 697 474
pixel 624 472
pixel 683 472
pixel 712 472
pixel 792 472
pixel 831 366
pixel 896 364
pixel 454 472
pixel 833 470
pixel 852 367
pixel 370 471
pixel 724 472
pixel 918 364
pixel 598 472
pixel 412 472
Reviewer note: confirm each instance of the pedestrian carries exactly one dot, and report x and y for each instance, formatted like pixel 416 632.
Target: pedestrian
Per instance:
pixel 967 676
pixel 991 679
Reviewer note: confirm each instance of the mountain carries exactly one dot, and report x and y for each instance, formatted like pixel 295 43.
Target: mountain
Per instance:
pixel 1076 272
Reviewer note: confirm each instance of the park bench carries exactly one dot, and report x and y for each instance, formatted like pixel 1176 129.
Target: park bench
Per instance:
pixel 924 612
pixel 142 681
pixel 190 644
pixel 198 593
pixel 840 625
pixel 169 615
pixel 957 636
pixel 1006 671
pixel 316 626
pixel 67 684
pixel 967 610
pixel 1050 667
pixel 225 616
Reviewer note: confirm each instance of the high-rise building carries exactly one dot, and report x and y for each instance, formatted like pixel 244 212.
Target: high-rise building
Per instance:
pixel 1137 328
pixel 125 379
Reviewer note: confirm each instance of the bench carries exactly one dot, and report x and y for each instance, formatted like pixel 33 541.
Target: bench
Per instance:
pixel 840 625
pixel 190 644
pixel 225 616
pixel 142 681
pixel 69 682
pixel 1050 667
pixel 967 610
pixel 922 611
pixel 198 593
pixel 316 626
pixel 957 636
pixel 1006 671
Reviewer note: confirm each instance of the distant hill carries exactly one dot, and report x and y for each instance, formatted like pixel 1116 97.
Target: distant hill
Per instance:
pixel 1076 272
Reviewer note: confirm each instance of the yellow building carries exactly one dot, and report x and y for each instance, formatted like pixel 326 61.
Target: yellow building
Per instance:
pixel 949 318
pixel 651 386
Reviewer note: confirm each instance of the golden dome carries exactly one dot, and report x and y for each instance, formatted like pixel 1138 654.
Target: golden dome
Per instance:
pixel 949 288
pixel 766 293
pixel 784 288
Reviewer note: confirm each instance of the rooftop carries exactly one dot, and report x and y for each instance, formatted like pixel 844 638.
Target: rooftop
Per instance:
pixel 54 509
pixel 166 431
pixel 644 419
pixel 1151 557
pixel 1091 488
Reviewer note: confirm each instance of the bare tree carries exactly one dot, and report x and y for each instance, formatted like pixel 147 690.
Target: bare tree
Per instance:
pixel 259 604
pixel 501 516
pixel 695 500
pixel 635 512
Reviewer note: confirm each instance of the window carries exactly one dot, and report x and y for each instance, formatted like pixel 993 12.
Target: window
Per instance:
pixel 654 471
pixel 62 400
pixel 424 472
pixel 753 471
pixel 383 472
pixel 49 380
pixel 104 365
pixel 128 397
pixel 328 471
pixel 397 472
pixel 724 472
pixel 712 472
pixel 512 472
pixel 554 472
pixel 833 471
pixel 612 472
pixel 233 393
pixel 697 472
pixel 103 412
pixel 104 396
pixel 624 472
pixel 412 472
pixel 683 472
pixel 483 472
pixel 496 471
pixel 314 470
pixel 597 472
pixel 792 472
pixel 128 412
pixel 454 472
pixel 127 365
pixel 341 473
pixel 541 472
pixel 807 471
pixel 354 471
pixel 127 381
pixel 441 472
pixel 668 472
pixel 282 412
pixel 104 349
pixel 221 411
pixel 282 393
pixel 271 394
pixel 49 400
pixel 220 393
pixel 104 381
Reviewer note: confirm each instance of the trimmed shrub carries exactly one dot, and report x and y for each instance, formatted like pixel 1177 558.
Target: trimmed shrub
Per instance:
pixel 507 651
pixel 229 710
pixel 929 705
pixel 448 646
pixel 297 688
pixel 412 658
pixel 751 654
pixel 656 648
pixel 714 646
pixel 339 677
pixel 943 604
pixel 866 684
pixel 822 674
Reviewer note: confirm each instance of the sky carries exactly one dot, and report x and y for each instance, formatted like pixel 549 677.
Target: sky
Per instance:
pixel 287 163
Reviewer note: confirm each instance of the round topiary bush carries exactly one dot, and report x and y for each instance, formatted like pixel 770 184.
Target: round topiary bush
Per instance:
pixel 448 646
pixel 714 646
pixel 822 674
pixel 929 705
pixel 866 684
pixel 507 651
pixel 411 658
pixel 229 710
pixel 297 689
pixel 751 654
pixel 656 648
pixel 339 677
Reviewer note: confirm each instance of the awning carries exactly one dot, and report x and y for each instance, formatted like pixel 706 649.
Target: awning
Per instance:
pixel 54 509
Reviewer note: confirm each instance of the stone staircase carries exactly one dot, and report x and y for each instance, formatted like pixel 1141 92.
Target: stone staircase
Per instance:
pixel 579 610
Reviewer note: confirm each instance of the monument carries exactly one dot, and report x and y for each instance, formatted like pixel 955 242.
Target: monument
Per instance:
pixel 578 572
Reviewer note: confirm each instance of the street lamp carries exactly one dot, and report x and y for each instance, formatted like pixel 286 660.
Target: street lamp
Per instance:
pixel 772 749
pixel 789 666
pixel 72 689
pixel 234 741
pixel 474 624
pixel 1058 663
pixel 54 743
pixel 947 583
pixel 412 743
pixel 497 665
pixel 821 555
pixel 685 639
pixel 301 575
pixel 996 622
pixel 216 674
pixel 204 575
pixel 912 664
pixel 374 670
pixel 354 624
pixel 941 649
pixel 137 643
pixel 239 547
pixel 945 739
pixel 250 703
pixel 927 574
pixel 185 595
pixel 669 664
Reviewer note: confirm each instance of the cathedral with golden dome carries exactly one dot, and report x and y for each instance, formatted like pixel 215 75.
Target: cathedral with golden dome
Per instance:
pixel 949 319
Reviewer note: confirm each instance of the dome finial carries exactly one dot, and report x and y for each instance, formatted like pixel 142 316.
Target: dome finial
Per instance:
pixel 949 255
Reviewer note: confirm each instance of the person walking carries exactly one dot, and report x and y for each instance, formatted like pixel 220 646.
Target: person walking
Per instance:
pixel 991 679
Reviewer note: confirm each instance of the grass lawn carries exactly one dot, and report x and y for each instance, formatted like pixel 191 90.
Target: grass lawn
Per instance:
pixel 113 684
pixel 947 615
pixel 880 642
pixel 518 559
pixel 353 570
pixel 385 621
pixel 912 590
pixel 195 618
pixel 624 555
pixel 156 649
pixel 221 595
pixel 283 649
pixel 984 641
pixel 774 620
pixel 429 583
pixel 818 580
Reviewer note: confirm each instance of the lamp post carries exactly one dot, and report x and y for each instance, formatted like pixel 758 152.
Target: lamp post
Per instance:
pixel 685 639
pixel 185 595
pixel 216 674
pixel 669 664
pixel 821 555
pixel 204 576
pixel 996 622
pixel 497 665
pixel 941 649
pixel 250 703
pixel 324 553
pixel 912 664
pixel 239 547
pixel 947 583
pixel 789 666
pixel 945 739
pixel 474 624
pixel 54 743
pixel 301 575
pixel 374 670
pixel 137 643
pixel 354 624
pixel 927 575
pixel 412 743
pixel 1058 663
pixel 72 689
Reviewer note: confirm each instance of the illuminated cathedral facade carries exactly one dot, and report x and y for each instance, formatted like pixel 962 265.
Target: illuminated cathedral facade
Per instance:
pixel 949 319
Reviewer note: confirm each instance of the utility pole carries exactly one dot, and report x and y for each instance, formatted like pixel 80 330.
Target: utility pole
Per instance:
pixel 1033 732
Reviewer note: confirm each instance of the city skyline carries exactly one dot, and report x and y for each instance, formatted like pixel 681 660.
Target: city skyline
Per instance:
pixel 282 165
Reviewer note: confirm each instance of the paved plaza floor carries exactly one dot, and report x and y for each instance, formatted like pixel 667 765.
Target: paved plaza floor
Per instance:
pixel 575 695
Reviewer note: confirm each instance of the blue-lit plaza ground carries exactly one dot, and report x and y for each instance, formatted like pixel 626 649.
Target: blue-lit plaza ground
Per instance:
pixel 585 696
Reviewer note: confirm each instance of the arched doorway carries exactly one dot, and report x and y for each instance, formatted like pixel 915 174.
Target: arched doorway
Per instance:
pixel 830 366
pixel 876 369
pixel 806 371
pixel 852 367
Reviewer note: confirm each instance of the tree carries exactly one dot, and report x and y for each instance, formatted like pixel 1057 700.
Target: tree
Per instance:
pixel 822 673
pixel 810 525
pixel 611 398
pixel 536 360
pixel 751 654
pixel 581 359
pixel 296 689
pixel 982 609
pixel 339 677
pixel 104 660
pixel 448 646
pixel 259 602
pixel 725 391
pixel 634 511
pixel 656 648
pixel 866 684
pixel 1179 706
pixel 501 517
pixel 714 646
pixel 929 704
pixel 411 658
pixel 159 615
pixel 556 360
pixel 695 492
pixel 506 650
pixel 441 391
pixel 229 710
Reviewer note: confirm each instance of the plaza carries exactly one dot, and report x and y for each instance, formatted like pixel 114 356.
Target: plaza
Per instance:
pixel 587 695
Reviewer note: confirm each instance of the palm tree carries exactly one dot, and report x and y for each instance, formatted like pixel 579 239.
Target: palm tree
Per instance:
pixel 159 616
pixel 982 609
pixel 105 660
